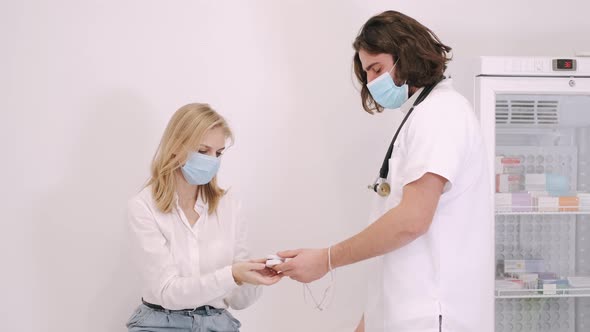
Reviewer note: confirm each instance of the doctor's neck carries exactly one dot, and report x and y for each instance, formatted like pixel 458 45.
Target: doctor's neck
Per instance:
pixel 412 90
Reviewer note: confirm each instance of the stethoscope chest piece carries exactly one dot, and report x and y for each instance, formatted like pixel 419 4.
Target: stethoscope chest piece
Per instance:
pixel 381 187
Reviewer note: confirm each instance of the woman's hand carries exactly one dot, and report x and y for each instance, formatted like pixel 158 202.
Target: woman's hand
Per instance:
pixel 267 272
pixel 254 272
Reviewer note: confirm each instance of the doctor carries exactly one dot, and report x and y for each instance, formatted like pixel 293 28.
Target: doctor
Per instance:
pixel 430 230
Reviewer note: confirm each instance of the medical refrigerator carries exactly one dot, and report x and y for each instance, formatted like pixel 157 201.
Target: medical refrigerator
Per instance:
pixel 535 118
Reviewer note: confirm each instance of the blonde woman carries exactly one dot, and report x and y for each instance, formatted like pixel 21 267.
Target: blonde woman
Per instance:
pixel 189 237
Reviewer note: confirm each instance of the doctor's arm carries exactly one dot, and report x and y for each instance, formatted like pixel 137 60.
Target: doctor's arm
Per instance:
pixel 361 326
pixel 395 229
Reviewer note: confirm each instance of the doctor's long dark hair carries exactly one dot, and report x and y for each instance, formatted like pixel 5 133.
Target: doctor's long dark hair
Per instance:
pixel 422 56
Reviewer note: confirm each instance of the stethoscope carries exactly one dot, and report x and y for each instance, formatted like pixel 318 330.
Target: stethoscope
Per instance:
pixel 381 186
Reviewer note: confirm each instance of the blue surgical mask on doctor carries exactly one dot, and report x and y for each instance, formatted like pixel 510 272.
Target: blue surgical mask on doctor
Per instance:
pixel 199 168
pixel 386 93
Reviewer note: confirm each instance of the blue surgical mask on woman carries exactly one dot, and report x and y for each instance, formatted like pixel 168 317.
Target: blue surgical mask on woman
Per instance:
pixel 200 168
pixel 386 93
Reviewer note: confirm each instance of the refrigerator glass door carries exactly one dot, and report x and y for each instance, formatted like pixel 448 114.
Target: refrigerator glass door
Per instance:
pixel 537 131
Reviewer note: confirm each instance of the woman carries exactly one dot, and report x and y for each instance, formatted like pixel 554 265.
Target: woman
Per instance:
pixel 190 239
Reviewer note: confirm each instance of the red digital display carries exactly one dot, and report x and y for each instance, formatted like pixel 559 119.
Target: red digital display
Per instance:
pixel 565 64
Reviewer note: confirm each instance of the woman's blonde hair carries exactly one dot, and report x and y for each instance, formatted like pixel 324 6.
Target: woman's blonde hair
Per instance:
pixel 184 132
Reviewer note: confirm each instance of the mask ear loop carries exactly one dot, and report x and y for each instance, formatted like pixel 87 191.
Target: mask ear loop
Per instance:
pixel 328 292
pixel 406 82
pixel 394 65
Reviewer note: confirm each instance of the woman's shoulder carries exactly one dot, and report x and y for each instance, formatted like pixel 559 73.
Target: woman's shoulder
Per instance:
pixel 142 198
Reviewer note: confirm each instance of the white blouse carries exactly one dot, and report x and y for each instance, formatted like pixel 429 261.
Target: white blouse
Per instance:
pixel 184 267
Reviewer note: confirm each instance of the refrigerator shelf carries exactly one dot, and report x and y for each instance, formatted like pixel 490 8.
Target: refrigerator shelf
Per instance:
pixel 508 211
pixel 538 293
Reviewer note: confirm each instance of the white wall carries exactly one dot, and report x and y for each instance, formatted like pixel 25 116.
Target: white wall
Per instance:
pixel 87 88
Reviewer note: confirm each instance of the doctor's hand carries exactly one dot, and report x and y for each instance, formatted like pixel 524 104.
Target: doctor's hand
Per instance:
pixel 304 265
pixel 255 273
